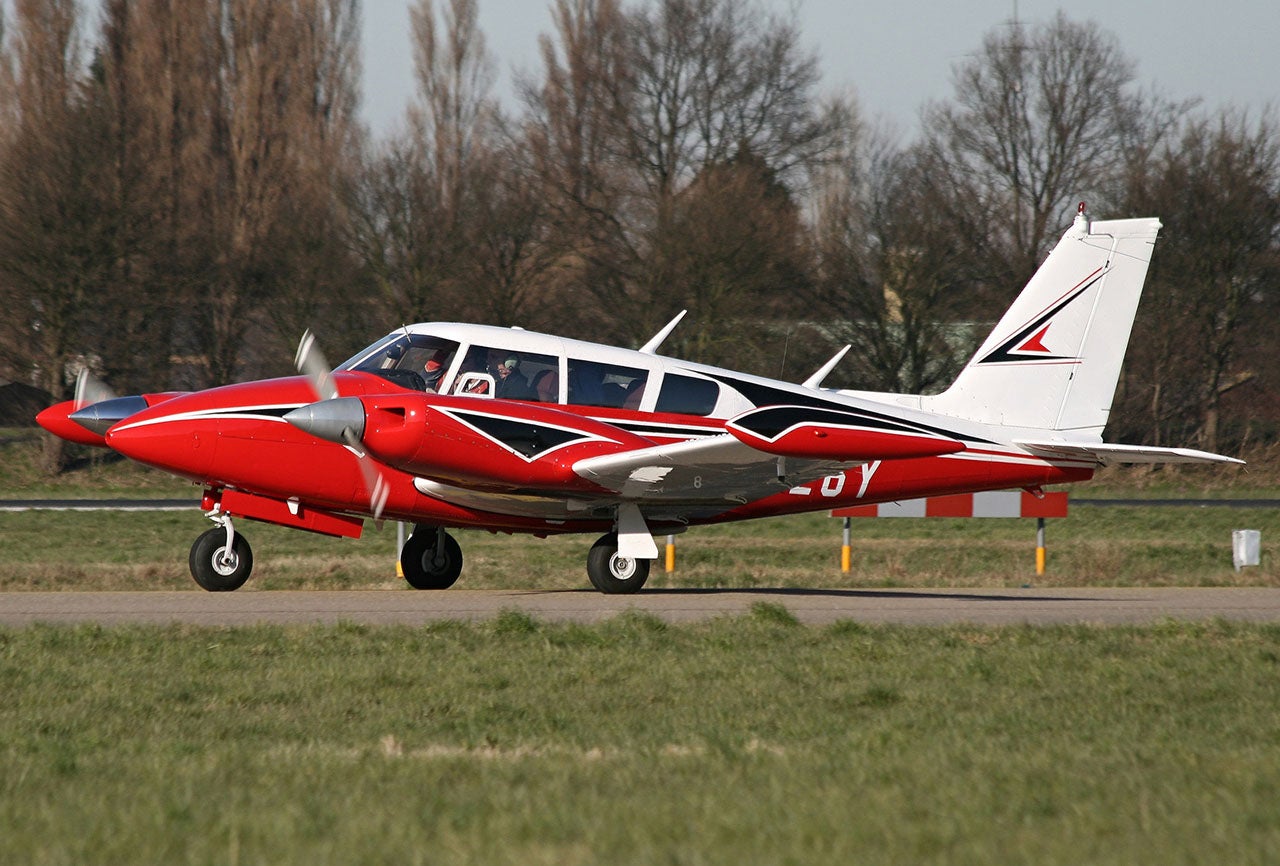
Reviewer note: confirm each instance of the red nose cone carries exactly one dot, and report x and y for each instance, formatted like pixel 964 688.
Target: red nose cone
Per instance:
pixel 56 419
pixel 177 447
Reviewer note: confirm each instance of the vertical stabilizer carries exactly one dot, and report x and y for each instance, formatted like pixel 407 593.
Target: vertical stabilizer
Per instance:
pixel 1053 361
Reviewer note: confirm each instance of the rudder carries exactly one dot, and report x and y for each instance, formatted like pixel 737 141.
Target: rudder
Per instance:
pixel 1053 361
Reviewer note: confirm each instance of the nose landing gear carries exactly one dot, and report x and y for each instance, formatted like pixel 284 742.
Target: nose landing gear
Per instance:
pixel 221 560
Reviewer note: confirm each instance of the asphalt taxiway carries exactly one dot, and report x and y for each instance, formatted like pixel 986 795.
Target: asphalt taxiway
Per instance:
pixel 1103 606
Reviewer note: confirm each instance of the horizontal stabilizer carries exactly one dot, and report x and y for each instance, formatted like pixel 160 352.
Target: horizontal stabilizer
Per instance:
pixel 1103 453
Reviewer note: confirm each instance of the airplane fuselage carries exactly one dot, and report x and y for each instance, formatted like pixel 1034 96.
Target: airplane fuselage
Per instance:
pixel 472 458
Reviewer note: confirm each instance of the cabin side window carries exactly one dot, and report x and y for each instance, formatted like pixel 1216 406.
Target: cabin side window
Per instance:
pixel 685 395
pixel 592 383
pixel 509 375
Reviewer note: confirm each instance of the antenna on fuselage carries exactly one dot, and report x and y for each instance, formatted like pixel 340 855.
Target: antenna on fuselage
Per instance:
pixel 821 373
pixel 651 347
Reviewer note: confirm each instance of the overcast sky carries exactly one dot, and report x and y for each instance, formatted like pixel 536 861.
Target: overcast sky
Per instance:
pixel 896 55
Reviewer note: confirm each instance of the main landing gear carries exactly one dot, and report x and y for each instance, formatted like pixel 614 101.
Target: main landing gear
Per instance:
pixel 612 573
pixel 431 558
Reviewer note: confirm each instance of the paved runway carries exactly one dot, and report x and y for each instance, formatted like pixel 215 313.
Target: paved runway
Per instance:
pixel 815 607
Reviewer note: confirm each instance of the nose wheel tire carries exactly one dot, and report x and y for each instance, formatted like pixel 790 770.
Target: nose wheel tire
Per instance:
pixel 613 574
pixel 431 559
pixel 217 569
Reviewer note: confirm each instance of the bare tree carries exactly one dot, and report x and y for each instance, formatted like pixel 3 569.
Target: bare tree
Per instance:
pixel 639 114
pixel 8 85
pixel 455 110
pixel 1206 324
pixel 317 280
pixel 1036 123
pixel 891 271
pixel 232 122
pixel 398 231
pixel 572 126
pixel 419 202
pixel 512 255
pixel 736 250
pixel 50 234
pixel 713 83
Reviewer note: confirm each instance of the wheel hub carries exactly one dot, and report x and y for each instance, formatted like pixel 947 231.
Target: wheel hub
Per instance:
pixel 622 567
pixel 225 561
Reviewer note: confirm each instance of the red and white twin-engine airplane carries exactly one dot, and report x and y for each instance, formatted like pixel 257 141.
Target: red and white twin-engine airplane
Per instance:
pixel 456 426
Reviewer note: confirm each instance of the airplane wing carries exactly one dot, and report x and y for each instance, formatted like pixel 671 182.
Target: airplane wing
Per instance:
pixel 719 470
pixel 764 450
pixel 676 481
pixel 1103 453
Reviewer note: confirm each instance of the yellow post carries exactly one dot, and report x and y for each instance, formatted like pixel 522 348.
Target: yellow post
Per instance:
pixel 1040 546
pixel 846 552
pixel 671 554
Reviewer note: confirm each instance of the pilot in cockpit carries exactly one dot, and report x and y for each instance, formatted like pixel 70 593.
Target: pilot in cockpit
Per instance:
pixel 433 371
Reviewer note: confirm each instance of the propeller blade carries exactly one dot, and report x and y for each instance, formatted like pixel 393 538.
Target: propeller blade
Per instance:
pixel 374 484
pixel 311 363
pixel 90 389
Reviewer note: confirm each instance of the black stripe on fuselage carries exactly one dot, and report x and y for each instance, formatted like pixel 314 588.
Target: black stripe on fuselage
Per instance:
pixel 772 422
pixel 271 413
pixel 653 428
pixel 765 396
pixel 527 438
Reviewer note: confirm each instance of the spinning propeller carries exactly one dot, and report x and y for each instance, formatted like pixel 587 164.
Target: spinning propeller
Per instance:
pixel 90 389
pixel 311 363
pixel 94 407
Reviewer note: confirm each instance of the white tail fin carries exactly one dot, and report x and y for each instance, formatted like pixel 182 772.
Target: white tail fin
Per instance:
pixel 1053 361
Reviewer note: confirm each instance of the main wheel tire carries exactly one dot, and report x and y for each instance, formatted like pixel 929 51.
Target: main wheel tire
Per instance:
pixel 613 574
pixel 213 569
pixel 424 566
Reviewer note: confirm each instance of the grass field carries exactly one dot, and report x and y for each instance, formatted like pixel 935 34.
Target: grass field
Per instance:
pixel 738 741
pixel 747 740
pixel 1094 546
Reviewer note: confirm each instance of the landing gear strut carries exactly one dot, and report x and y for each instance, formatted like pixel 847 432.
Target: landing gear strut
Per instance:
pixel 612 573
pixel 431 558
pixel 221 560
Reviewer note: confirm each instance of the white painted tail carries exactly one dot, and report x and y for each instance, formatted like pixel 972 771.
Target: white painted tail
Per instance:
pixel 1053 361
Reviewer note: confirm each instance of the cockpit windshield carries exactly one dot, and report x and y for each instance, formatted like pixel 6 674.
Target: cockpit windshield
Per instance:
pixel 415 361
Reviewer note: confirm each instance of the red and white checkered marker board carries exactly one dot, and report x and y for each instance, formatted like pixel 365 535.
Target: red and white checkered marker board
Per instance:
pixel 992 503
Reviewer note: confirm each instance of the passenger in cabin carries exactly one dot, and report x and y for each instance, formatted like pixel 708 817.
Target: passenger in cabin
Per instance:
pixel 512 385
pixel 634 394
pixel 546 386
